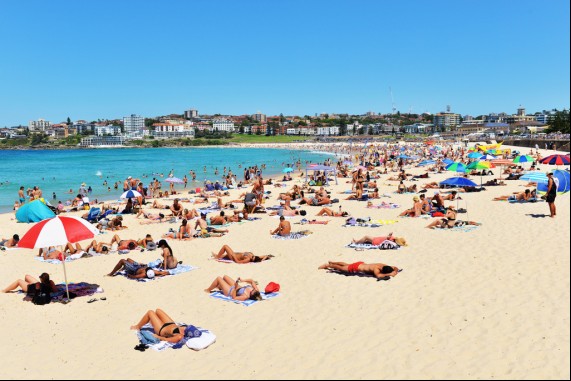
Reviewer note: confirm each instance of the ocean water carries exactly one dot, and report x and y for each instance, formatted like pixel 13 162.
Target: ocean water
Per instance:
pixel 58 171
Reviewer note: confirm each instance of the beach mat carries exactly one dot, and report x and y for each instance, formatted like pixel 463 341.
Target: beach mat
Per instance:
pixel 79 289
pixel 219 295
pixel 180 269
pixel 206 339
pixel 292 235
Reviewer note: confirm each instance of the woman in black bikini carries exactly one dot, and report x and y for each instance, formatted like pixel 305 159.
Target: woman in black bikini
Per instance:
pixel 165 328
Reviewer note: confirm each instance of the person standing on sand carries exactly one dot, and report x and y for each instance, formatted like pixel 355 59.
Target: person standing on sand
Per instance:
pixel 21 196
pixel 551 194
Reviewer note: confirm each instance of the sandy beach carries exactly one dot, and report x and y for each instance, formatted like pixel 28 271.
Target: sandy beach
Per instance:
pixel 493 302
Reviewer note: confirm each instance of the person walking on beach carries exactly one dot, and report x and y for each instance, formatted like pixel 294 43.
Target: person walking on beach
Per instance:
pixel 551 194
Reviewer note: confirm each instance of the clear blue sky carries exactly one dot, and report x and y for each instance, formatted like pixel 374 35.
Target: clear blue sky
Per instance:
pixel 108 59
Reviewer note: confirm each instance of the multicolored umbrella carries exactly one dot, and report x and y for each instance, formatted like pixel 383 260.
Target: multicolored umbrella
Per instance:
pixel 523 159
pixel 456 167
pixel 480 165
pixel 488 157
pixel 556 159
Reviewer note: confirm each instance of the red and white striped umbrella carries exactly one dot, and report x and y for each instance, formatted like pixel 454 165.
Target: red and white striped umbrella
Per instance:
pixel 57 231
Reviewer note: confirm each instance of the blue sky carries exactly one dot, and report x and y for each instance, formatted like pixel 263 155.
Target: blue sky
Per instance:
pixel 108 59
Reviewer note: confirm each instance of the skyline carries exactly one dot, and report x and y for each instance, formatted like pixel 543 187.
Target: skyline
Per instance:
pixel 108 60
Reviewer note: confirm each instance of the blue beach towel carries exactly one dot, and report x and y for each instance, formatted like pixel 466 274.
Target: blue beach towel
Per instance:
pixel 247 303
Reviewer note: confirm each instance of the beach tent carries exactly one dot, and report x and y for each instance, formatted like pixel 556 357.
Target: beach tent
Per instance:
pixel 324 168
pixel 34 211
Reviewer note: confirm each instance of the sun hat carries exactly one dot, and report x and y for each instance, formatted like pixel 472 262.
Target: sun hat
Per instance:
pixel 400 241
pixel 415 198
pixel 129 177
pixel 83 184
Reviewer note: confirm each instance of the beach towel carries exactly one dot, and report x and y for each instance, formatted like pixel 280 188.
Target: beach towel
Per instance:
pixel 78 289
pixel 385 245
pixel 205 339
pixel 293 235
pixel 384 206
pixel 362 246
pixel 465 228
pixel 247 303
pixel 155 265
pixel 363 225
pixel 69 258
pixel 359 274
pixel 313 222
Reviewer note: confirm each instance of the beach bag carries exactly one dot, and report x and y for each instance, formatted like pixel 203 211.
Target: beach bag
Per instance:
pixel 272 287
pixel 151 246
pixel 40 296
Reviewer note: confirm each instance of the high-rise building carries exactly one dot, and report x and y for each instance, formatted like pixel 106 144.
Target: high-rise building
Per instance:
pixel 259 117
pixel 192 113
pixel 446 121
pixel 134 125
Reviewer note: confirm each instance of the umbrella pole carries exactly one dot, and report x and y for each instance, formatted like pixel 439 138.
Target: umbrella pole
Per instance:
pixel 65 277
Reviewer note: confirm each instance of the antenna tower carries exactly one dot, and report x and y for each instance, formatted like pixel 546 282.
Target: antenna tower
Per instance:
pixel 392 101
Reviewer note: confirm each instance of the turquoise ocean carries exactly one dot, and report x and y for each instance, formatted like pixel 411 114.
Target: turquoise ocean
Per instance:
pixel 58 171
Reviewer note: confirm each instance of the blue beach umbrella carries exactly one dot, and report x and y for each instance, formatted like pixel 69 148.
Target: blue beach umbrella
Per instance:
pixel 475 155
pixel 564 182
pixel 488 157
pixel 131 194
pixel 534 177
pixel 459 182
pixel 287 170
pixel 426 162
pixel 447 161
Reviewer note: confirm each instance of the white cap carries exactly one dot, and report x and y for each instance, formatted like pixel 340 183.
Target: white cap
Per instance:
pixel 435 192
pixel 150 273
pixel 241 215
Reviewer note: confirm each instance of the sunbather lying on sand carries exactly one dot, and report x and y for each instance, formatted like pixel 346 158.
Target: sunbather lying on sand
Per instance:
pixel 164 326
pixel 226 252
pixel 136 270
pixel 375 241
pixel 331 213
pixel 379 270
pixel 450 221
pixel 518 196
pixel 232 288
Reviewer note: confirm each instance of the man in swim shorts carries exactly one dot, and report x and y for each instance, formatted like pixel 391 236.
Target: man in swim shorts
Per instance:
pixel 378 270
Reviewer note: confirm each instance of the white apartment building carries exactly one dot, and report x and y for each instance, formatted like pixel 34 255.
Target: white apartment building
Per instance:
pixel 327 131
pixel 222 125
pixel 39 125
pixel 107 130
pixel 173 130
pixel 134 125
